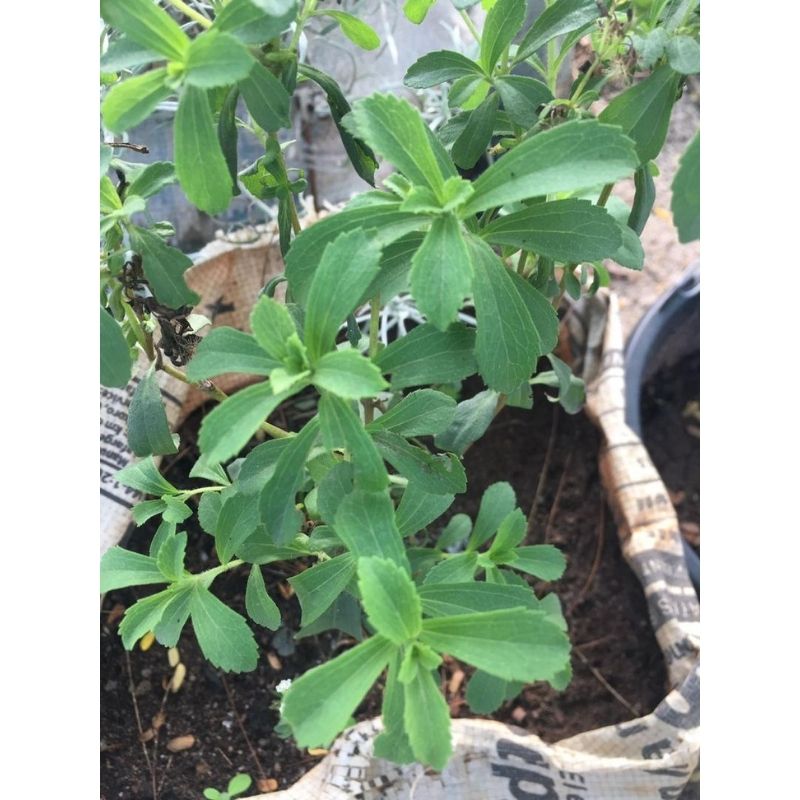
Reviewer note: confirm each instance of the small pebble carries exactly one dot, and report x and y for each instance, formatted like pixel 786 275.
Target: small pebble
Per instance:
pixel 267 785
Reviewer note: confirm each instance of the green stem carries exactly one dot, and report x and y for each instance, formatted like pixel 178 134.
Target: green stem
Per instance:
pixel 190 12
pixel 209 575
pixel 309 7
pixel 284 177
pixel 191 492
pixel 470 25
pixel 523 257
pixel 605 194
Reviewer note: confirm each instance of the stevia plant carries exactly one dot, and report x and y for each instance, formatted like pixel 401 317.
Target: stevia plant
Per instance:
pixel 356 495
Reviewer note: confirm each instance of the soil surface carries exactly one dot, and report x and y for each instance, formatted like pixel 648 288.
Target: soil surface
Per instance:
pixel 551 460
pixel 671 433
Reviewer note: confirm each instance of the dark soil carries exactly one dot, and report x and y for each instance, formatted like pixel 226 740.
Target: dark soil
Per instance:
pixel 618 668
pixel 671 433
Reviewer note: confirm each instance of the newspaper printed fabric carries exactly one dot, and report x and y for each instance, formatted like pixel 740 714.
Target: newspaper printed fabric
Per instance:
pixel 649 757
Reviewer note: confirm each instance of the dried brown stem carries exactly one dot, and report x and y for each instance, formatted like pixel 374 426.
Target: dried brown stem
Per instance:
pixel 132 690
pixel 261 774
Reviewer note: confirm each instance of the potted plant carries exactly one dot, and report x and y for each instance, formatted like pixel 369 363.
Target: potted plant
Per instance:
pixel 352 493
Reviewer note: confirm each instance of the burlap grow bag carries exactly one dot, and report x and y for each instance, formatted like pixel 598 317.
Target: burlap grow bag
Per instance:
pixel 649 757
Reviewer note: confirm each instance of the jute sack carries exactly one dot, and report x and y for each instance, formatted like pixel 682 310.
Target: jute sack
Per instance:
pixel 650 757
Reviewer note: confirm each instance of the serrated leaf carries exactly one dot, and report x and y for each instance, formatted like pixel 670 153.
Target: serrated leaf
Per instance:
pixel 237 520
pixel 230 425
pixel 318 705
pixel 447 599
pixel 473 140
pixel 208 511
pixel 148 428
pixel 421 413
pixel 569 231
pixel 144 477
pixel 266 98
pixel 260 606
pixel 332 488
pixel 199 161
pixel 145 510
pixel 427 720
pixel 438 67
pixel 643 111
pixel 133 100
pixel 115 355
pixel 563 16
pixel 348 374
pixel 152 179
pixel 170 556
pixel 176 613
pixel 120 568
pixel 217 59
pixel 319 586
pixel 419 508
pixel 148 25
pixel 392 743
pixel 565 158
pixel 143 616
pixel 272 326
pixel 223 635
pixel 441 272
pixel 344 615
pixel 342 428
pixel 356 30
pixel 365 522
pixel 515 644
pixel 497 503
pixel 485 693
pixel 522 97
pixel 455 569
pixel 427 355
pixel 503 22
pixel 686 193
pixel 540 560
pixel 390 599
pixel 511 532
pixel 348 266
pixel 470 421
pixel 124 53
pixel 225 350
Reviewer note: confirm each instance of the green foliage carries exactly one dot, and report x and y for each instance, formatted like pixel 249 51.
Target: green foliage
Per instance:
pixel 358 492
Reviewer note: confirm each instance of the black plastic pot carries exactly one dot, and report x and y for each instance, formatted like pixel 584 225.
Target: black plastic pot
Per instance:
pixel 667 333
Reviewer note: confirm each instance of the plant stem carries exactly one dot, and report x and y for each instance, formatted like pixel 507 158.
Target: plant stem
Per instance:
pixel 191 492
pixel 309 8
pixel 523 257
pixel 190 12
pixel 285 177
pixel 605 194
pixel 470 25
pixel 209 575
pixel 374 324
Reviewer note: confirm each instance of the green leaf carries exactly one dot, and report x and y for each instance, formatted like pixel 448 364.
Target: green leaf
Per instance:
pixel 438 67
pixel 146 510
pixel 275 8
pixel 318 705
pixel 277 498
pixel 133 100
pixel 485 692
pixel 260 606
pixel 497 503
pixel 237 520
pixel 171 555
pixel 217 59
pixel 643 200
pixel 565 158
pixel 348 266
pixel 571 392
pixel 252 24
pixel 419 508
pixel 259 465
pixel 686 193
pixel 427 720
pixel 348 374
pixel 223 635
pixel 392 743
pixel 272 326
pixel 208 511
pixel 227 350
pixel 540 560
pixel 115 355
pixel 365 522
pixel 472 142
pixel 163 267
pixel 144 477
pixel 343 615
pixel 148 428
pixel 342 428
pixel 564 230
pixel 643 112
pixel 630 253
pixel 441 272
pixel 683 54
pixel 175 510
pixel 120 568
pixel 382 221
pixel 522 97
pixel 503 22
pixel 563 16
pixel 511 532
pixel 427 355
pixel 319 586
pixel 396 130
pixel 144 616
pixel 390 599
pixel 649 47
pixel 470 422
pixel 109 199
pixel 169 627
pixel 438 474
pixel 230 425
pixel 228 135
pixel 148 25
pixel 515 644
pixel 456 531
pixel 417 10
pixel 360 154
pixel 124 53
pixel 266 98
pixel 356 30
pixel 450 599
pixel 421 413
pixel 239 783
pixel 332 488
pixel 152 179
pixel 456 569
